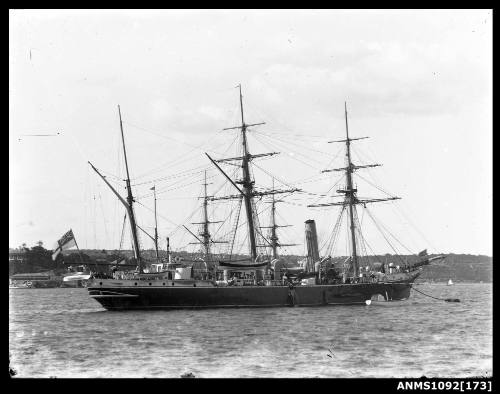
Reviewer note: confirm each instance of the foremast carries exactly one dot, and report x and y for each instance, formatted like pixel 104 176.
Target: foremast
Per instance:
pixel 349 191
pixel 350 196
pixel 206 233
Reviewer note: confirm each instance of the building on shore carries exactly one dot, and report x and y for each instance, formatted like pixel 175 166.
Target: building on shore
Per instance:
pixel 37 280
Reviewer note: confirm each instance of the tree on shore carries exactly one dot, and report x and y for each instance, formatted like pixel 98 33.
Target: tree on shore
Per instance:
pixel 36 259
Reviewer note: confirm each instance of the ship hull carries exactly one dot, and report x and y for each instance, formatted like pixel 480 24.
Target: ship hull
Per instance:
pixel 399 285
pixel 123 297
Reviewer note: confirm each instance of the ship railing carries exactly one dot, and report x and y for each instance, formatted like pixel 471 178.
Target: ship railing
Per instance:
pixel 275 283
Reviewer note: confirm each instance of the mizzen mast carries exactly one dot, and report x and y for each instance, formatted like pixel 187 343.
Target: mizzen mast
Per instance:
pixel 128 203
pixel 130 200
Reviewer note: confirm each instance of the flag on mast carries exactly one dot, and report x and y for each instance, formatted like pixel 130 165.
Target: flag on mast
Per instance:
pixel 153 188
pixel 67 241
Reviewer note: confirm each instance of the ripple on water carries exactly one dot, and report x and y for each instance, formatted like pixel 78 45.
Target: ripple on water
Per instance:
pixel 413 338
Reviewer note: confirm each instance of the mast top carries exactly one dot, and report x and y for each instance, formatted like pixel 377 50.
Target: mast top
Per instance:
pixel 123 142
pixel 241 107
pixel 243 126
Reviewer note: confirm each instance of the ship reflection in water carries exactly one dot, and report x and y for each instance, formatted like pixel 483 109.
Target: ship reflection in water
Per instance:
pixel 57 332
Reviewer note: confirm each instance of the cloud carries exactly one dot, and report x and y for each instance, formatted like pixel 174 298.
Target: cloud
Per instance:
pixel 387 78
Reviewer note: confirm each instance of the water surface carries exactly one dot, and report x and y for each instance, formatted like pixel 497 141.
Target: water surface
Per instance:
pixel 64 333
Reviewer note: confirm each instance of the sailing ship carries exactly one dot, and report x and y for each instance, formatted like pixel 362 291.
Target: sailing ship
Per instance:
pixel 318 283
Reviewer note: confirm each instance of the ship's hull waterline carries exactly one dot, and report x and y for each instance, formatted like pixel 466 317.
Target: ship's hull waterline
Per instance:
pixel 120 295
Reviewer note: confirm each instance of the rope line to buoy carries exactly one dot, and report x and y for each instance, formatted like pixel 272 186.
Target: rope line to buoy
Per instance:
pixel 441 299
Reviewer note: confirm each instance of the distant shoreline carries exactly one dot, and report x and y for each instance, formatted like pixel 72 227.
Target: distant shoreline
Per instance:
pixel 458 282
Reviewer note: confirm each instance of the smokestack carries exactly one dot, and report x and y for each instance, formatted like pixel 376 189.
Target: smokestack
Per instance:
pixel 312 245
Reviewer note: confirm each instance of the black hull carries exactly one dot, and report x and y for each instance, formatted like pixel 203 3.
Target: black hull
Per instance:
pixel 123 297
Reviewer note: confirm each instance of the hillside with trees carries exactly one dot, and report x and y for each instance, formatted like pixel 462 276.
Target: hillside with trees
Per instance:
pixel 458 267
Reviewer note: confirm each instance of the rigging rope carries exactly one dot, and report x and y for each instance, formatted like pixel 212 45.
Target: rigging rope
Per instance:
pixel 328 191
pixel 301 147
pixel 176 175
pixel 408 250
pixel 170 188
pixel 414 227
pixel 396 206
pixel 383 235
pixel 287 236
pixel 361 239
pixel 264 115
pixel 104 218
pixel 240 200
pixel 335 233
pixel 273 146
pixel 123 232
pixel 184 157
pixel 375 186
pixel 165 136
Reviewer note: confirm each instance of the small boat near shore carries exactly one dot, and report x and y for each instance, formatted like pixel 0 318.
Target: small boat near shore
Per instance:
pixel 78 279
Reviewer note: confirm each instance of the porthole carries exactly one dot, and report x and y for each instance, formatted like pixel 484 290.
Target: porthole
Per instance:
pixel 163 283
pixel 194 284
pixel 173 284
pixel 150 283
pixel 135 283
pixel 100 283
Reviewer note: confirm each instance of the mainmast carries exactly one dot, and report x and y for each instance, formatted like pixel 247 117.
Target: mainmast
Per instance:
pixel 247 184
pixel 248 191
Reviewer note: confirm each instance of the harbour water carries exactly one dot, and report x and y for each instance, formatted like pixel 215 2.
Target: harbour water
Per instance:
pixel 63 333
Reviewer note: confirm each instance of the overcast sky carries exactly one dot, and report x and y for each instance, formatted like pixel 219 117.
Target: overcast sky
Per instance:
pixel 418 83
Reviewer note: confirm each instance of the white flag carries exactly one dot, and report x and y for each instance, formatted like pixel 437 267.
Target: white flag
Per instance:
pixel 67 241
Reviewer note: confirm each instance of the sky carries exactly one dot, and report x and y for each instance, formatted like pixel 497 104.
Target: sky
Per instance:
pixel 418 83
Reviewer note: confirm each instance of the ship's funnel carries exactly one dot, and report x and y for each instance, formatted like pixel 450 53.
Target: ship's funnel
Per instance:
pixel 312 245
